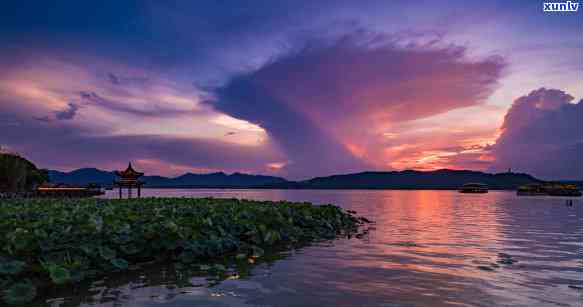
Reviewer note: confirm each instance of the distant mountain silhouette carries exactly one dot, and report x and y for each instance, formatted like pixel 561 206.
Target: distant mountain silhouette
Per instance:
pixel 440 179
pixel 409 179
pixel 87 176
pixel 82 176
pixel 236 180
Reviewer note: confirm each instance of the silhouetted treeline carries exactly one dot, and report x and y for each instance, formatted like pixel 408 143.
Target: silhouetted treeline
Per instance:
pixel 18 174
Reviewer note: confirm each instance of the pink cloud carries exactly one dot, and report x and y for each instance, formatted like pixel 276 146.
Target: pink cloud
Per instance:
pixel 331 105
pixel 541 134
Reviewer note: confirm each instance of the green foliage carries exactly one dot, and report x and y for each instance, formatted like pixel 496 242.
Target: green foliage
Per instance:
pixel 120 264
pixel 107 253
pixel 18 293
pixel 66 240
pixel 11 267
pixel 59 275
pixel 18 174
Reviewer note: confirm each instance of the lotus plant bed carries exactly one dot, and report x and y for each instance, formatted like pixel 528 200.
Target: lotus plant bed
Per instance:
pixel 47 242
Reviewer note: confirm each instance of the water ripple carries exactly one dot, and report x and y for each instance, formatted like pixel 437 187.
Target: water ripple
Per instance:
pixel 437 248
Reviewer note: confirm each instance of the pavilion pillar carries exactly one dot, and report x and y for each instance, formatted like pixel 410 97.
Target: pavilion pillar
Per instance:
pixel 128 179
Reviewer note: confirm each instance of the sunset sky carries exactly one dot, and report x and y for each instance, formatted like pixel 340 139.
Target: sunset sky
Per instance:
pixel 293 88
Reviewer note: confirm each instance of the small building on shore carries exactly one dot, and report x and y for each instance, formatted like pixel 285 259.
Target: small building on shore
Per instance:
pixel 129 179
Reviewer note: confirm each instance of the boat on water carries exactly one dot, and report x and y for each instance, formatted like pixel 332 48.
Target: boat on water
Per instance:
pixel 549 189
pixel 531 190
pixel 474 188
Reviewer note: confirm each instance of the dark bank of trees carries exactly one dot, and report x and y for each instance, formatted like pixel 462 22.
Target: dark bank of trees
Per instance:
pixel 17 174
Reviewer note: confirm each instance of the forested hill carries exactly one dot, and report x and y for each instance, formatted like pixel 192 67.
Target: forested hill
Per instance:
pixel 440 179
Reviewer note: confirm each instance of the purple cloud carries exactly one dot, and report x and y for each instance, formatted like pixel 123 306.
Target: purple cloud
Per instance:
pixel 69 113
pixel 92 98
pixel 63 145
pixel 541 134
pixel 329 103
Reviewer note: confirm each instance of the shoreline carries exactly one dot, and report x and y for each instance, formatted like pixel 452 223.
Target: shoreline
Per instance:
pixel 309 188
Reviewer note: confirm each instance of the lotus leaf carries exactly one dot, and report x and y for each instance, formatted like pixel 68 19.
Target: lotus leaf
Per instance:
pixel 89 250
pixel 123 238
pixel 86 238
pixel 120 264
pixel 77 276
pixel 187 257
pixel 59 275
pixel 172 227
pixel 130 249
pixel 97 223
pixel 12 267
pixel 219 267
pixel 19 293
pixel 271 237
pixel 106 253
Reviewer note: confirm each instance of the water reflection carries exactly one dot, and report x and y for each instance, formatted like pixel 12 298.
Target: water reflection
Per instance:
pixel 436 248
pixel 161 284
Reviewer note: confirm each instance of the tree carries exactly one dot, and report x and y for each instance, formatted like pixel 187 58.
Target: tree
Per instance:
pixel 18 174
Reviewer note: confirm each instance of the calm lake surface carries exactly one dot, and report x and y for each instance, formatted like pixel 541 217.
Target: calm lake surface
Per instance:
pixel 437 248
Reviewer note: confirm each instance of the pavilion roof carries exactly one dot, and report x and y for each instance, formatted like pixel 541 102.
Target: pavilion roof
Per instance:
pixel 130 172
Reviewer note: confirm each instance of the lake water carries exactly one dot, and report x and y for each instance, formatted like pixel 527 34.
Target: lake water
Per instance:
pixel 437 248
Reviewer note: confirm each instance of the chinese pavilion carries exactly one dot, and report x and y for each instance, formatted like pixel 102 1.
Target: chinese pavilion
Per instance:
pixel 129 179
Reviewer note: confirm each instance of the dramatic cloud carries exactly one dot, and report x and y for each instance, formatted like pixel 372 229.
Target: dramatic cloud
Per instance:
pixel 153 110
pixel 287 89
pixel 542 135
pixel 65 115
pixel 68 113
pixel 156 154
pixel 331 104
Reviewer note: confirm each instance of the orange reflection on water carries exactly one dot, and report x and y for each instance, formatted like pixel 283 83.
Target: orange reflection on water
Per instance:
pixel 434 231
